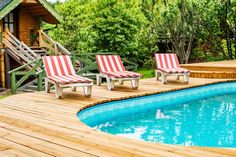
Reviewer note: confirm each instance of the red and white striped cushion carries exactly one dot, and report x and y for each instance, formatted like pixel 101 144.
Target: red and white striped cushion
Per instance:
pixel 109 63
pixel 60 69
pixel 174 70
pixel 121 74
pixel 112 65
pixel 169 63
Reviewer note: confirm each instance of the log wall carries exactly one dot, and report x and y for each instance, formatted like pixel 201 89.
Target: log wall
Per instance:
pixel 26 23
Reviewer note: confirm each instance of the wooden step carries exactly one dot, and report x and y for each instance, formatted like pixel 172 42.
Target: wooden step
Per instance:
pixel 39 50
pixel 212 74
pixel 222 66
pixel 209 68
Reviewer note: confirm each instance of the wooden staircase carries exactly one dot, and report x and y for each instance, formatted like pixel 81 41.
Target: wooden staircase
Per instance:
pixel 24 54
pixel 52 47
pixel 30 60
pixel 216 70
pixel 18 50
pixel 40 51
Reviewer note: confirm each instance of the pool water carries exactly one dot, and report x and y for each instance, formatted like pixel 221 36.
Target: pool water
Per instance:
pixel 201 116
pixel 208 122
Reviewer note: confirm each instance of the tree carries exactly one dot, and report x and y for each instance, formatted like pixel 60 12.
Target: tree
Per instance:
pixel 227 12
pixel 178 20
pixel 117 23
pixel 218 28
pixel 132 28
pixel 75 32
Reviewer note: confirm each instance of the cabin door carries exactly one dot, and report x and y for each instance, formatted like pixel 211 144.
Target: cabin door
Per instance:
pixel 10 21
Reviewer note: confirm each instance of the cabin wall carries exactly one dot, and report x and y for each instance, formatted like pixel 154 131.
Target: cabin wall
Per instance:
pixel 2 69
pixel 26 24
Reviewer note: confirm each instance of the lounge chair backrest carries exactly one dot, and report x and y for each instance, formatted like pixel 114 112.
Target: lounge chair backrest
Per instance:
pixel 167 60
pixel 58 65
pixel 109 63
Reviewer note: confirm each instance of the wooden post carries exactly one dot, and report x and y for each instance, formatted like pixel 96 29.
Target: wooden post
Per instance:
pixel 55 49
pixel 40 38
pixel 2 66
pixel 40 30
pixel 2 70
pixel 40 81
pixel 1 31
pixel 7 69
pixel 13 83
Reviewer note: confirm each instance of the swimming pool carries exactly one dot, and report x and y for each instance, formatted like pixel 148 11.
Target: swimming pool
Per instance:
pixel 201 116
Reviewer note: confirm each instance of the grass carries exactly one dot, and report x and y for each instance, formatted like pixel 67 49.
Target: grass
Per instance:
pixel 147 73
pixel 3 96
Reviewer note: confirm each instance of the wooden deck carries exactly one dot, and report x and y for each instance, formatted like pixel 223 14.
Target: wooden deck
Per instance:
pixel 38 124
pixel 219 69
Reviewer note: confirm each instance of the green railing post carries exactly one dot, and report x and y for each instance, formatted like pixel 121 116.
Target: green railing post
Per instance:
pixel 25 74
pixel 40 81
pixel 74 59
pixel 13 82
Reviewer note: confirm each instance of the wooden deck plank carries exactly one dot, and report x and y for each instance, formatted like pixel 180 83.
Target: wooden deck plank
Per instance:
pixel 41 125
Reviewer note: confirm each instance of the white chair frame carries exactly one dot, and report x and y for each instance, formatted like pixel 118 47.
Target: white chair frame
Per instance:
pixel 111 81
pixel 163 75
pixel 87 87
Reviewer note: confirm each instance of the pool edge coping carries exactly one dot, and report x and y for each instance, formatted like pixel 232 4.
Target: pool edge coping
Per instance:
pixel 151 93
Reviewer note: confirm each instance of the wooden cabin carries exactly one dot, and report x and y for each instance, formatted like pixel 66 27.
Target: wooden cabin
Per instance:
pixel 21 36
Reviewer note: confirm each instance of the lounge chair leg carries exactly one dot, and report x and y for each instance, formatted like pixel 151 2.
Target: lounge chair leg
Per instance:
pixel 110 84
pixel 58 91
pixel 47 85
pixel 73 89
pixel 163 78
pixel 87 91
pixel 157 75
pixel 121 82
pixel 186 79
pixel 134 83
pixel 99 79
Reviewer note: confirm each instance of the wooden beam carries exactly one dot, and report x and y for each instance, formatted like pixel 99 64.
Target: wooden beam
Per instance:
pixel 1 31
pixel 30 1
pixel 31 6
pixel 38 11
pixel 2 69
pixel 7 68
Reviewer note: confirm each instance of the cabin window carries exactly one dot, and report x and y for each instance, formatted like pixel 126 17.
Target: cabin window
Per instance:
pixel 9 22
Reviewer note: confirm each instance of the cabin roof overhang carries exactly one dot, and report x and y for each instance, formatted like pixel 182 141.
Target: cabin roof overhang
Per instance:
pixel 37 8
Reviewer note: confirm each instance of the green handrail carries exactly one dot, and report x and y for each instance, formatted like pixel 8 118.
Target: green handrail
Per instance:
pixel 87 59
pixel 23 66
pixel 89 62
pixel 21 71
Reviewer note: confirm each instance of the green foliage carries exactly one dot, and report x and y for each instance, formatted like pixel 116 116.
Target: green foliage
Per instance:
pixel 117 24
pixel 149 63
pixel 92 26
pixel 147 72
pixel 198 55
pixel 202 30
pixel 4 96
pixel 75 31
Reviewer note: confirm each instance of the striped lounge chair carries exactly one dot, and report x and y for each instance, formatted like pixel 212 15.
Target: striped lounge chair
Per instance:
pixel 60 72
pixel 168 64
pixel 112 68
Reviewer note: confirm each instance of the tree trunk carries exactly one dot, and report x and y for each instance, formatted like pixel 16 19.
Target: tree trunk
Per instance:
pixel 189 48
